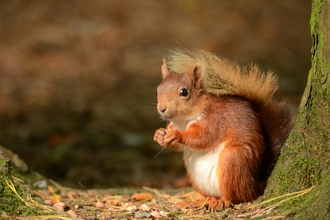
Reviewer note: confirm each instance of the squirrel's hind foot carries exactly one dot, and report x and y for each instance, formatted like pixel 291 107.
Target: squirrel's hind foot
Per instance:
pixel 210 204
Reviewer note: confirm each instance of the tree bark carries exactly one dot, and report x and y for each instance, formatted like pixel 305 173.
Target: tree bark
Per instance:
pixel 305 158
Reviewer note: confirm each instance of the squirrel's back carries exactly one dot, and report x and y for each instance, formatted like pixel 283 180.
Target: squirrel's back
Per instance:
pixel 222 77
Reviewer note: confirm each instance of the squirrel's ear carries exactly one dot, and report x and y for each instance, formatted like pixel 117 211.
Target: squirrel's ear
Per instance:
pixel 165 71
pixel 196 76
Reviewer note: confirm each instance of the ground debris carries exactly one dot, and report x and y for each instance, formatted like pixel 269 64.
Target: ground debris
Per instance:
pixel 147 203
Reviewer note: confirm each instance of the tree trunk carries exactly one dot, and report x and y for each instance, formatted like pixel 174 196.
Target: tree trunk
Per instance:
pixel 305 158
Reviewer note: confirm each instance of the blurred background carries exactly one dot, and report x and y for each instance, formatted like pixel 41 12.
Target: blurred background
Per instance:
pixel 78 78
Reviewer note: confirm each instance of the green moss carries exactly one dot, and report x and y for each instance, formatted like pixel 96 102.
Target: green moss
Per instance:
pixel 13 195
pixel 311 206
pixel 317 7
pixel 8 200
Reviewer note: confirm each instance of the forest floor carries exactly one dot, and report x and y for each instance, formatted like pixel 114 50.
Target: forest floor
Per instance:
pixel 41 198
pixel 57 202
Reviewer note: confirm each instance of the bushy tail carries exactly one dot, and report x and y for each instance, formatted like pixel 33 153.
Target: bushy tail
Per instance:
pixel 277 122
pixel 222 77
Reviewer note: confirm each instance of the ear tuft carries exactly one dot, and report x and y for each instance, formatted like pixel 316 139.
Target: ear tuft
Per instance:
pixel 195 75
pixel 165 71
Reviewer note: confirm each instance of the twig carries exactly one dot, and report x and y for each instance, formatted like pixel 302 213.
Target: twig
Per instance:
pixel 268 209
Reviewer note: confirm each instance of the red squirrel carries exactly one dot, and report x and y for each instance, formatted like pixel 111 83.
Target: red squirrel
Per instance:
pixel 230 123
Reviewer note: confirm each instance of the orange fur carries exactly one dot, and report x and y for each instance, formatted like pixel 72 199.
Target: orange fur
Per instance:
pixel 231 137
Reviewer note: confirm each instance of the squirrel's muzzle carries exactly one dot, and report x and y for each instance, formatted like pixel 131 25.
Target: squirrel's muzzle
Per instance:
pixel 162 109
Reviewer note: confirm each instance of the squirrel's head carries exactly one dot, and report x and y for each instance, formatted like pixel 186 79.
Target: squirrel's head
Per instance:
pixel 180 95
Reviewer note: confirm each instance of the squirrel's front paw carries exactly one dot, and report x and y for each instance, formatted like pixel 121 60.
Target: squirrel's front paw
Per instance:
pixel 159 136
pixel 172 138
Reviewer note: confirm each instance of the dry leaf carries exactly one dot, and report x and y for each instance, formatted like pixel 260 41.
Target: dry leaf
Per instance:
pixel 131 208
pixel 112 202
pixel 99 204
pixel 155 214
pixel 142 196
pixel 59 206
pixel 144 207
pixel 124 206
pixel 164 214
pixel 49 202
pixel 72 213
pixel 154 201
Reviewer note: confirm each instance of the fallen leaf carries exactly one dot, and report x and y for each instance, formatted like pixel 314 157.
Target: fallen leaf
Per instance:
pixel 124 206
pixel 112 202
pixel 49 202
pixel 59 206
pixel 131 208
pixel 164 214
pixel 144 207
pixel 155 214
pixel 72 213
pixel 154 201
pixel 142 196
pixel 99 204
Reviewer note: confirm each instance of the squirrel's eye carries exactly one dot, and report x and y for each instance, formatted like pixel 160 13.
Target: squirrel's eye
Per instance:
pixel 183 92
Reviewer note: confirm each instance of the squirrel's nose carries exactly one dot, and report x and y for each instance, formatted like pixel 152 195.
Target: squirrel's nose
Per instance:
pixel 162 109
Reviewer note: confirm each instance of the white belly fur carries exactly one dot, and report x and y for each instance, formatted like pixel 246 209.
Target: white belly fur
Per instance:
pixel 202 166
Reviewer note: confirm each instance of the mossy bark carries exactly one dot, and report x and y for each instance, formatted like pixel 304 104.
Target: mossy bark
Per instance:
pixel 15 182
pixel 305 158
pixel 9 202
